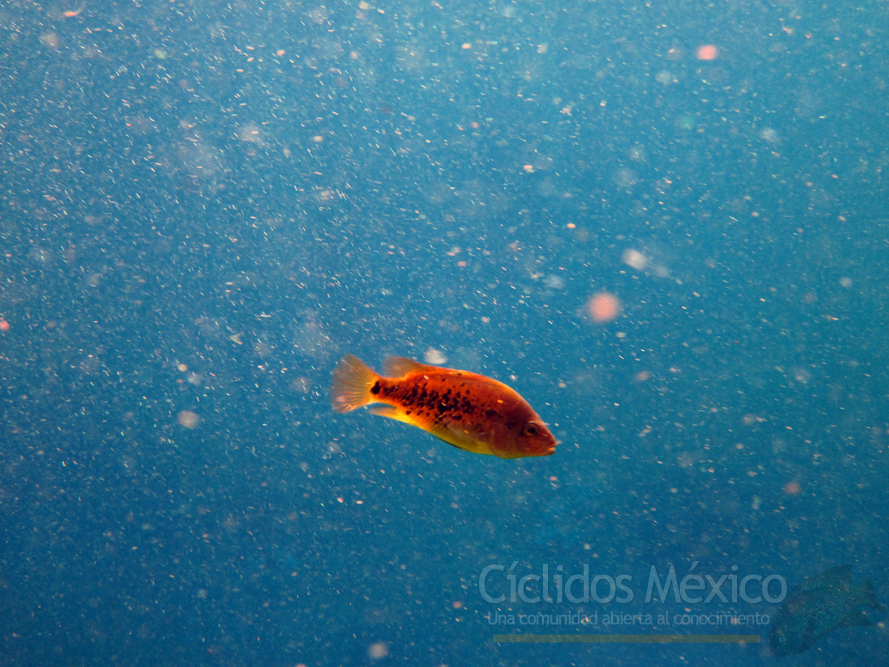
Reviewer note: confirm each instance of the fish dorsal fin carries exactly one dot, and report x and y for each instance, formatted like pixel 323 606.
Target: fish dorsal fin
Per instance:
pixel 396 367
pixel 839 577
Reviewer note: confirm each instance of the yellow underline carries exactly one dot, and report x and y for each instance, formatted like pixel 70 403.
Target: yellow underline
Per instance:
pixel 627 639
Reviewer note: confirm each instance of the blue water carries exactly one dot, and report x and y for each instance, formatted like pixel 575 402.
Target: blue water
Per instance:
pixel 205 205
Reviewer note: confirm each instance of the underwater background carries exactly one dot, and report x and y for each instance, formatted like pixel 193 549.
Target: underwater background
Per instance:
pixel 204 205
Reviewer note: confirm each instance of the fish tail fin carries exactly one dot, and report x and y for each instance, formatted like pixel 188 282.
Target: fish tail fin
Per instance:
pixel 352 382
pixel 856 617
pixel 866 594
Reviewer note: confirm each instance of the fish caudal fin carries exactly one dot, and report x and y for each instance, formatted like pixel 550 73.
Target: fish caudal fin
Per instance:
pixel 352 382
pixel 856 617
pixel 865 594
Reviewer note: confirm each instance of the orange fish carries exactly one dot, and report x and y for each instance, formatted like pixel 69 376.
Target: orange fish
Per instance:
pixel 469 411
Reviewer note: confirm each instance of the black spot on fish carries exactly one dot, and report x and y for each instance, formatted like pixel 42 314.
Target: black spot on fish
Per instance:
pixel 375 389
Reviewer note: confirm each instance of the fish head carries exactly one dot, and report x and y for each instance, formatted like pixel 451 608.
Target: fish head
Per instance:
pixel 780 642
pixel 789 632
pixel 526 437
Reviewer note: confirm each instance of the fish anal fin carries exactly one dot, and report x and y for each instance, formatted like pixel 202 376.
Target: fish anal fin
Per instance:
pixel 352 384
pixel 400 415
pixel 392 413
pixel 454 436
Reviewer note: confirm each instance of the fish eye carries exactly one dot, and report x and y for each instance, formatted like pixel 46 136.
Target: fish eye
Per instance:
pixel 531 429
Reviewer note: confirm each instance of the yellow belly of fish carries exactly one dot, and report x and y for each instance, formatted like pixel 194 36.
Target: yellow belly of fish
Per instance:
pixel 459 435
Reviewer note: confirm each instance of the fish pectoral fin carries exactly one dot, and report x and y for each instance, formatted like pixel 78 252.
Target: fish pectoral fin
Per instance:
pixel 856 617
pixel 475 433
pixel 451 435
pixel 469 440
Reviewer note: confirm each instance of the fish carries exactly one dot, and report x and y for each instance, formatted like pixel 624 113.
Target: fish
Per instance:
pixel 818 605
pixel 469 411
